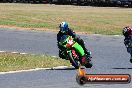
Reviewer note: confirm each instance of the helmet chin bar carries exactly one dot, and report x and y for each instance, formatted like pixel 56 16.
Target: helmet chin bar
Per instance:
pixel 63 30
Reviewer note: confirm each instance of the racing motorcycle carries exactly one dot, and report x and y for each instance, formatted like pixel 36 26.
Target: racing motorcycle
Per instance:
pixel 73 52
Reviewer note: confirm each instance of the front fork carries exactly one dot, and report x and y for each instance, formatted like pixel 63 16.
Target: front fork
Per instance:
pixel 75 56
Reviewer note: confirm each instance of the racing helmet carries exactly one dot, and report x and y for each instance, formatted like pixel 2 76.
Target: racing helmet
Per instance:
pixel 63 27
pixel 127 31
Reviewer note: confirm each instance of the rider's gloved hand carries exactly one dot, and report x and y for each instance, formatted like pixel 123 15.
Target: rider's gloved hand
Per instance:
pixel 89 54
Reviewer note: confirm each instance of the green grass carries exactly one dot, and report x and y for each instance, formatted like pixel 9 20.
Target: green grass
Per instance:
pixel 97 20
pixel 12 62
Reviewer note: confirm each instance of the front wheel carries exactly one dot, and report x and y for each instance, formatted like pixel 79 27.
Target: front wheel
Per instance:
pixel 89 63
pixel 73 61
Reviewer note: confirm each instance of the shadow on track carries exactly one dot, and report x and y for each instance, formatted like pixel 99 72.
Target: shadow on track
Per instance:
pixel 121 68
pixel 69 68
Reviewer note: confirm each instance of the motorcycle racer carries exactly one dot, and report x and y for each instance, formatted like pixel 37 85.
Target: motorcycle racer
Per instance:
pixel 127 32
pixel 65 30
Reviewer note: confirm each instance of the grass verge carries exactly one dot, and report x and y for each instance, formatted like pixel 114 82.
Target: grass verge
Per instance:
pixel 12 62
pixel 96 20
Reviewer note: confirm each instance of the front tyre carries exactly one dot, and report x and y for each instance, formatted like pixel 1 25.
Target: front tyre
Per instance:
pixel 73 61
pixel 89 63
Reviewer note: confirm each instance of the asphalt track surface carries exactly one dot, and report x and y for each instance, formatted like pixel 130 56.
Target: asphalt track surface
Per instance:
pixel 108 52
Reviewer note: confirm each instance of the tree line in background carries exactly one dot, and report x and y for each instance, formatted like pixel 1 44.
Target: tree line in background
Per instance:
pixel 127 3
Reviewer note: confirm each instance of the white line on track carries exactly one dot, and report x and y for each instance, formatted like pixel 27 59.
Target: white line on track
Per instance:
pixel 2 51
pixel 54 56
pixel 60 67
pixel 15 52
pixel 36 69
pixel 117 35
pixel 23 53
